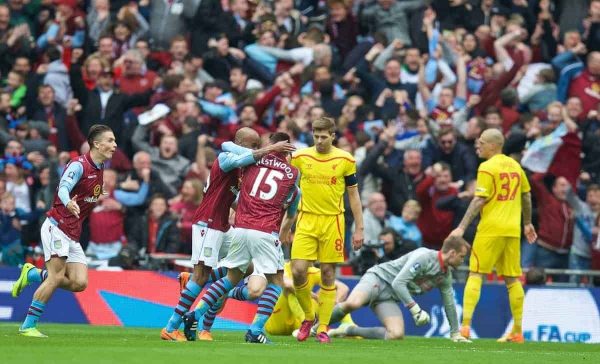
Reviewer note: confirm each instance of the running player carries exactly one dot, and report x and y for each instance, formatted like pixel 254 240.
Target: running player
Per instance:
pixel 268 191
pixel 386 284
pixel 78 192
pixel 212 221
pixel 502 195
pixel 326 172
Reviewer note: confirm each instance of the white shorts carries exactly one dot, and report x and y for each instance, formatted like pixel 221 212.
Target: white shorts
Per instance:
pixel 206 244
pixel 262 249
pixel 57 244
pixel 226 244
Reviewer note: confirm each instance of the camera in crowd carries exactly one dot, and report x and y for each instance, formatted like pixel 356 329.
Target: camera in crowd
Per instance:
pixel 389 246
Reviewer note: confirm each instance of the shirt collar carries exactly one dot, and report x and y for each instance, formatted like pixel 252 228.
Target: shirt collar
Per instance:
pixel 441 261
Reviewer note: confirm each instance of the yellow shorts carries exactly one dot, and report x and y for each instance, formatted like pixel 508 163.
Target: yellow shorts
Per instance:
pixel 502 252
pixel 319 237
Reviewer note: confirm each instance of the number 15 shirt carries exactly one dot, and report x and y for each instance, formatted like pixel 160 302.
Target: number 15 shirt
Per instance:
pixel 501 181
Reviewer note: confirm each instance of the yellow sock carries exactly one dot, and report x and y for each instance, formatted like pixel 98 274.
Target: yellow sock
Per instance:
pixel 471 297
pixel 516 296
pixel 304 299
pixel 295 307
pixel 347 320
pixel 326 304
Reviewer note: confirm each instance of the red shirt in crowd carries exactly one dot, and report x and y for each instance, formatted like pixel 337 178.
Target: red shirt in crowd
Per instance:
pixel 435 224
pixel 555 217
pixel 587 88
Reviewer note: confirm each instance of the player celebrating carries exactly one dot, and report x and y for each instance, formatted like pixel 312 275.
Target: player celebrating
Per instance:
pixel 78 192
pixel 326 172
pixel 212 220
pixel 268 189
pixel 502 194
pixel 385 284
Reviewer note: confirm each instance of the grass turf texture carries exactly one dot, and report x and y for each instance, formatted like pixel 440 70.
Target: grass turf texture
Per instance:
pixel 84 344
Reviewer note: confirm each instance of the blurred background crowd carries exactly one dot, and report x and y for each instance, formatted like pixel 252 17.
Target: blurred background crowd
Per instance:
pixel 410 83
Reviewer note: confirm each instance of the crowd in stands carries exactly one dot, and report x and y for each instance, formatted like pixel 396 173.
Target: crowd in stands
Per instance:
pixel 410 83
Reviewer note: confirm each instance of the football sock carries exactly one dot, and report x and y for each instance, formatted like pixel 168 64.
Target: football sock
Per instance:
pixel 266 302
pixel 377 333
pixel 516 296
pixel 216 274
pixel 327 302
pixel 239 293
pixel 216 290
pixel 303 294
pixel 471 297
pixel 35 311
pixel 186 299
pixel 36 275
pixel 295 307
pixel 337 314
pixel 211 314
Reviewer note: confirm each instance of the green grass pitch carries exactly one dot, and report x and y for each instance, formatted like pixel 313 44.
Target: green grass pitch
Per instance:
pixel 83 344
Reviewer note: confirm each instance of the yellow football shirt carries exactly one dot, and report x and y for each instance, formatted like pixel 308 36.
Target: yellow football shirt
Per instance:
pixel 501 181
pixel 322 179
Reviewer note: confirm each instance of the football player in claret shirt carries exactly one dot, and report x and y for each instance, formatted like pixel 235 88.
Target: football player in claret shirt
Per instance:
pixel 268 192
pixel 77 194
pixel 211 222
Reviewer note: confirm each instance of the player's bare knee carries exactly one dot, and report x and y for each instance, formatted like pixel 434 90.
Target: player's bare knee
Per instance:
pixel 394 334
pixel 328 274
pixel 79 285
pixel 299 275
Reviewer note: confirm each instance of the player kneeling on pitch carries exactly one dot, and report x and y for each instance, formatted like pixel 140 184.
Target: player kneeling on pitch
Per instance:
pixel 385 285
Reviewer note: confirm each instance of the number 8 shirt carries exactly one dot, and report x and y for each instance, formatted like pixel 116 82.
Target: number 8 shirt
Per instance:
pixel 501 181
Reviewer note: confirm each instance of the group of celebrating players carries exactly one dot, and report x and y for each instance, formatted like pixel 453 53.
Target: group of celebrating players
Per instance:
pixel 270 191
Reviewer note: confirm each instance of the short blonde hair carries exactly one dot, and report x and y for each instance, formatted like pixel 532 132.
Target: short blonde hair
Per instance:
pixel 324 123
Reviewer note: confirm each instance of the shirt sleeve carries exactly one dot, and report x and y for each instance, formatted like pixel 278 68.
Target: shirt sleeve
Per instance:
pixel 231 147
pixel 130 199
pixel 69 179
pixel 413 266
pixel 485 184
pixel 448 299
pixel 230 161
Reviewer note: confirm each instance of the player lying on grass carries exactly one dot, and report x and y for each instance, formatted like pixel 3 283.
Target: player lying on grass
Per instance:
pixel 384 285
pixel 287 313
pixel 210 230
pixel 268 192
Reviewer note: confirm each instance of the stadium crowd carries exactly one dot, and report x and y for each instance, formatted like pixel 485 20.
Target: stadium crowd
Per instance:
pixel 410 83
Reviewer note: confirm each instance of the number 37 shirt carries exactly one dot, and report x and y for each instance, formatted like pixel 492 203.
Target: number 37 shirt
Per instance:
pixel 501 181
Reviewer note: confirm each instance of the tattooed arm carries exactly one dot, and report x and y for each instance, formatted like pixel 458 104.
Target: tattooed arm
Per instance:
pixel 473 210
pixel 528 228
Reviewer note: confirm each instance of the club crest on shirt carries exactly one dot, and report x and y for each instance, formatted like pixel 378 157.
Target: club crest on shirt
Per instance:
pixel 207 252
pixel 57 244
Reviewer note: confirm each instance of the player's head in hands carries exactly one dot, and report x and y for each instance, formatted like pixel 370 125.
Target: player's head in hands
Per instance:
pixel 247 137
pixel 454 251
pixel 102 142
pixel 323 134
pixel 490 143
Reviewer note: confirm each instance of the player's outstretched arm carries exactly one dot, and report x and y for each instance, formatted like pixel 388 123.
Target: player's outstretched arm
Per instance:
pixel 450 308
pixel 356 207
pixel 412 267
pixel 528 228
pixel 473 210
